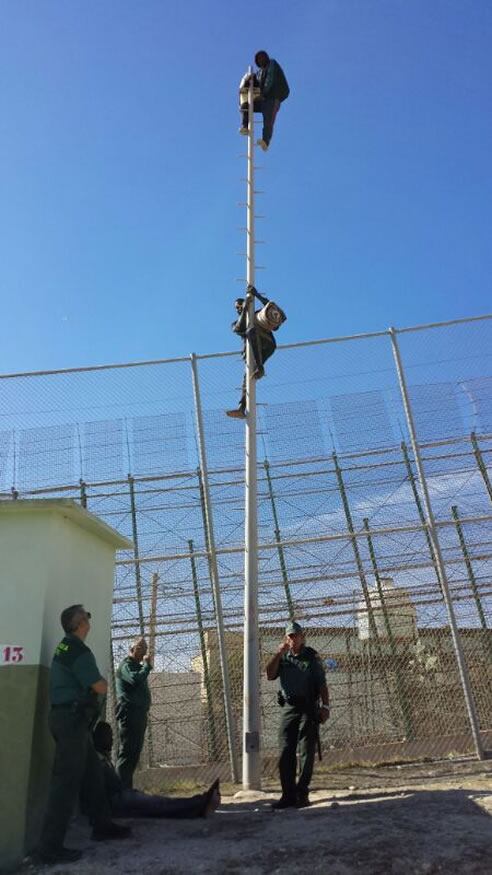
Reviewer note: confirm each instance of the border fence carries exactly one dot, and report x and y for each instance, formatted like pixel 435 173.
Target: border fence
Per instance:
pixel 374 520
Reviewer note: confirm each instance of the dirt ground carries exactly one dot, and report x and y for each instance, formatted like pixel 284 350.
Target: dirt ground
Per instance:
pixel 400 820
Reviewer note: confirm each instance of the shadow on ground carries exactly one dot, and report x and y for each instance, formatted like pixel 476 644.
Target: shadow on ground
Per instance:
pixel 404 832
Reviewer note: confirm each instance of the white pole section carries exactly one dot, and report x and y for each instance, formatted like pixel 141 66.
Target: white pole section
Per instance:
pixel 436 545
pixel 251 700
pixel 214 574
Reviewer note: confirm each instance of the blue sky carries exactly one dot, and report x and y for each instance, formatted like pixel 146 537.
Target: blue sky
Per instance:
pixel 121 169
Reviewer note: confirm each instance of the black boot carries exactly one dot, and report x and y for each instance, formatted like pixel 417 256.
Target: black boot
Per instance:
pixel 303 800
pixel 283 802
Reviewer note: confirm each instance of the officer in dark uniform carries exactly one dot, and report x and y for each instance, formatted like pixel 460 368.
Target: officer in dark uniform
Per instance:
pixel 75 683
pixel 134 700
pixel 302 686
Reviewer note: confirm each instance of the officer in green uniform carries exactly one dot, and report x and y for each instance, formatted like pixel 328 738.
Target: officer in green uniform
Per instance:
pixel 133 695
pixel 75 683
pixel 302 685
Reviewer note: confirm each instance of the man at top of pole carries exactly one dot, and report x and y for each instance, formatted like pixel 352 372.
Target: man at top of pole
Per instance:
pixel 270 90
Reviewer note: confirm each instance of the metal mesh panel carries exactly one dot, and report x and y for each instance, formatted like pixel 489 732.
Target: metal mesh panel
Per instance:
pixel 159 444
pixel 5 447
pixel 343 541
pixel 46 456
pixel 361 421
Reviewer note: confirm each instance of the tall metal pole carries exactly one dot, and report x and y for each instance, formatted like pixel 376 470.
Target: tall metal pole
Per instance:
pixel 436 546
pixel 251 675
pixel 214 573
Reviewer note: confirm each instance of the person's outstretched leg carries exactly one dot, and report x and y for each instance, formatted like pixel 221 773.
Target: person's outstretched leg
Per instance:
pixel 136 804
pixel 270 108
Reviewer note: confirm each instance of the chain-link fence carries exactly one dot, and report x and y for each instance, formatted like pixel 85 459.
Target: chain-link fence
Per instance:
pixel 345 541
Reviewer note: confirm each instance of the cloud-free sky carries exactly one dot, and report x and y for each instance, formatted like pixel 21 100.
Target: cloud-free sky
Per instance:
pixel 121 169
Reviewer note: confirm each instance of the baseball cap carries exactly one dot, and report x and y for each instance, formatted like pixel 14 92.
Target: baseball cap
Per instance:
pixel 293 628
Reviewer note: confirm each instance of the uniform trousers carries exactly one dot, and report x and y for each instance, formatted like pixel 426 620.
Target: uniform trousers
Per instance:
pixel 132 723
pixel 298 729
pixel 76 768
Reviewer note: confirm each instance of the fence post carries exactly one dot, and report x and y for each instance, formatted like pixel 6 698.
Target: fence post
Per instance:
pixel 481 464
pixel 418 503
pixel 436 546
pixel 83 501
pixel 136 554
pixel 278 539
pixel 83 493
pixel 212 738
pixel 400 686
pixel 472 578
pixel 214 573
pixel 363 582
pixel 151 652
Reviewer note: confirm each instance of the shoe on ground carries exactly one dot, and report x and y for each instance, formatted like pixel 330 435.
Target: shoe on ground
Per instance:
pixel 57 855
pixel 303 800
pixel 237 413
pixel 108 831
pixel 262 145
pixel 244 131
pixel 282 803
pixel 258 373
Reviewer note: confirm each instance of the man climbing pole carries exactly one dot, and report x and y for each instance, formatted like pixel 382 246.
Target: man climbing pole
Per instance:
pixel 270 89
pixel 260 336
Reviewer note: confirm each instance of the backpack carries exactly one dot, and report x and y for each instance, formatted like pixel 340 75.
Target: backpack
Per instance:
pixel 270 317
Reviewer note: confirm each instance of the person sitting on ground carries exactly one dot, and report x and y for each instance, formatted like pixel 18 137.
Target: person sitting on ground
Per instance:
pixel 274 89
pixel 262 342
pixel 133 803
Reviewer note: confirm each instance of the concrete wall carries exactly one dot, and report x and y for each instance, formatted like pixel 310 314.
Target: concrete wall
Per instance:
pixel 177 719
pixel 53 554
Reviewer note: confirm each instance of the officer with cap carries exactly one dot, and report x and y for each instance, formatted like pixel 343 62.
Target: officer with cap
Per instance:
pixel 132 709
pixel 74 686
pixel 302 686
